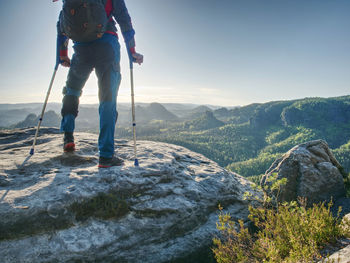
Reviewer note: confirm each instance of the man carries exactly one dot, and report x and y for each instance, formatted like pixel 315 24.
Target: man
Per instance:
pixel 103 55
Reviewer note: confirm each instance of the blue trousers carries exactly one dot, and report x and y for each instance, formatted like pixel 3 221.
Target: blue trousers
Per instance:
pixel 103 55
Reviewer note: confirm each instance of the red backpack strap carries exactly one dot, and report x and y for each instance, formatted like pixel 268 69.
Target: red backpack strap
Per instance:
pixel 109 8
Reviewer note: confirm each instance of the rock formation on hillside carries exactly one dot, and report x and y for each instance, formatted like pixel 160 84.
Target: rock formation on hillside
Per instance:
pixel 206 121
pixel 313 112
pixel 197 112
pixel 52 119
pixel 268 114
pixel 154 111
pixel 62 208
pixel 311 171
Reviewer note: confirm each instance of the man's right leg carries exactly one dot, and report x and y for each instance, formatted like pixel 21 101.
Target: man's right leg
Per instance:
pixel 78 74
pixel 69 112
pixel 108 74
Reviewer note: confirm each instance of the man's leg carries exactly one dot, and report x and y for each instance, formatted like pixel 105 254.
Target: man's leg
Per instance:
pixel 108 73
pixel 78 74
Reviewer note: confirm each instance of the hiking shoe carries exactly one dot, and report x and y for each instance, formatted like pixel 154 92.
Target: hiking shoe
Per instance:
pixel 109 162
pixel 68 142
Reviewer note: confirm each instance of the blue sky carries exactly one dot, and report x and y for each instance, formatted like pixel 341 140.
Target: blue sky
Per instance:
pixel 227 52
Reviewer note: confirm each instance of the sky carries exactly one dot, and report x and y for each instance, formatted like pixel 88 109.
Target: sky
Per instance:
pixel 219 52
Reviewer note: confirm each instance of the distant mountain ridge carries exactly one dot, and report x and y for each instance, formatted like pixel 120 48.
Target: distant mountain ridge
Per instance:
pixel 244 139
pixel 251 137
pixel 88 118
pixel 12 116
pixel 51 120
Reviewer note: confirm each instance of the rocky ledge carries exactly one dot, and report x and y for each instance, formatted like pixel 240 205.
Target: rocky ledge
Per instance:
pixel 62 208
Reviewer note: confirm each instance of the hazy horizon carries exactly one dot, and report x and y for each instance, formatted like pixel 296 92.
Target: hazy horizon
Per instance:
pixel 185 103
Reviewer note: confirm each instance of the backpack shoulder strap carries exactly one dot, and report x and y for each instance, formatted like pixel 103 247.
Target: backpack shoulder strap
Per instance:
pixel 109 8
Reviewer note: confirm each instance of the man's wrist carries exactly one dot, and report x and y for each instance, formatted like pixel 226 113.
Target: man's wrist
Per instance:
pixel 132 50
pixel 64 53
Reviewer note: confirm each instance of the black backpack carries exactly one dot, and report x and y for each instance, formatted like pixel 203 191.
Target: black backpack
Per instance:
pixel 83 20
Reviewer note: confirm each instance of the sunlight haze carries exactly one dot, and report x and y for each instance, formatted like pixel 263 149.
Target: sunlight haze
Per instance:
pixel 229 52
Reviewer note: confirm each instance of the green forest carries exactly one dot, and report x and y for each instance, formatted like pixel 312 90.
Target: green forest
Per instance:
pixel 248 139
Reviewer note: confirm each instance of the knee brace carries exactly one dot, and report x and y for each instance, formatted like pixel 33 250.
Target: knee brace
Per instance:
pixel 70 105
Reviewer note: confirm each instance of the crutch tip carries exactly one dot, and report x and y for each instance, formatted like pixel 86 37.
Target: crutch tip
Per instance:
pixel 136 162
pixel 31 151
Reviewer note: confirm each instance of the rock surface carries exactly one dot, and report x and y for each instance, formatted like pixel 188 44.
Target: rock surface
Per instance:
pixel 311 171
pixel 342 254
pixel 165 209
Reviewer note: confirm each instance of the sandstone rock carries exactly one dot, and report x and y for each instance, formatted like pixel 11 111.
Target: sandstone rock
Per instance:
pixel 50 211
pixel 346 224
pixel 311 171
pixel 341 256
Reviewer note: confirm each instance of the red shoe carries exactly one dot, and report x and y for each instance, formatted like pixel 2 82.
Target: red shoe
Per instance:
pixel 69 147
pixel 68 142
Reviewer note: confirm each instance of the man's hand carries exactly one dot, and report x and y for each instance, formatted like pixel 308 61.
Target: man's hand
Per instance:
pixel 138 58
pixel 65 61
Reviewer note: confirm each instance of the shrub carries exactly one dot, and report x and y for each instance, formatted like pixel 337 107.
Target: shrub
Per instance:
pixel 290 233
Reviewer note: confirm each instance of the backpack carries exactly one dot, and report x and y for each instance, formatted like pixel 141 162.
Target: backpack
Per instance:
pixel 83 20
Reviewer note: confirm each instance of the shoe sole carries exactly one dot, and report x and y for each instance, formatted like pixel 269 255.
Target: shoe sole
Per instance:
pixel 108 166
pixel 69 147
pixel 104 166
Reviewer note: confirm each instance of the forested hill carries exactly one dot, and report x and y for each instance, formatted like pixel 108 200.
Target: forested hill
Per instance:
pixel 248 139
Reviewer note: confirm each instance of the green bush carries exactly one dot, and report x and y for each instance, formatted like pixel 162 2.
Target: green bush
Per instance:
pixel 290 233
